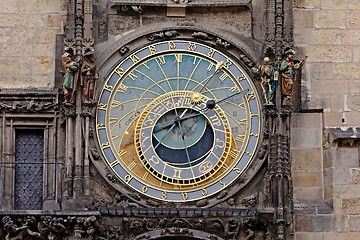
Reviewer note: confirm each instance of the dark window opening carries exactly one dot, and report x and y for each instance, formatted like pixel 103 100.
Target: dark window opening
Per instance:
pixel 29 154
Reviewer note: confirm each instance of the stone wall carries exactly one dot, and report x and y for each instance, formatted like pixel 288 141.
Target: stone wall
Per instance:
pixel 27 42
pixel 325 166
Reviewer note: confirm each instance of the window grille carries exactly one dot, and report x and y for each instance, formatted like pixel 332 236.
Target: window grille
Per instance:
pixel 29 152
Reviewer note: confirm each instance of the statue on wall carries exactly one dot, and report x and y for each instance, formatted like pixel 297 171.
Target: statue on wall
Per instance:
pixel 69 70
pixel 268 80
pixel 89 76
pixel 288 70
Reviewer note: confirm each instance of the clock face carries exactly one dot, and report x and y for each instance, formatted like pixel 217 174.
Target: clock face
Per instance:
pixel 178 121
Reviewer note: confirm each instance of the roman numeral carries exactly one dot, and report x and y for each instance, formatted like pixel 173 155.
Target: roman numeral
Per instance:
pixel 178 58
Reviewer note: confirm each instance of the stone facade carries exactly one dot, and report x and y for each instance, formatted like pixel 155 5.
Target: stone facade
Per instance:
pixel 325 162
pixel 324 140
pixel 28 42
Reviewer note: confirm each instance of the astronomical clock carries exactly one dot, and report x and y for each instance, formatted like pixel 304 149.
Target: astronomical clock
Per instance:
pixel 177 120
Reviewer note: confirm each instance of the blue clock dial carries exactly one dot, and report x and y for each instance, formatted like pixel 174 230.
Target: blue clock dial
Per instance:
pixel 178 120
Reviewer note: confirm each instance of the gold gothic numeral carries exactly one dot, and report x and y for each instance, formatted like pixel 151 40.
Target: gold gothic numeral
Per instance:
pixel 238 170
pixel 128 178
pixel 144 189
pixel 102 106
pixel 135 59
pixel 204 192
pixel 222 183
pixel 185 195
pixel 211 53
pixel 108 88
pixel 100 126
pixel 105 145
pixel 171 45
pixel 164 195
pixel 192 47
pixel 114 163
pixel 152 49
pixel 228 63
pixel 120 71
pixel 241 78
pixel 250 96
pixel 254 115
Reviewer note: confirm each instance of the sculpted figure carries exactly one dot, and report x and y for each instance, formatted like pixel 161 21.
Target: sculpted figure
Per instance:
pixel 13 232
pixel 288 73
pixel 88 76
pixel 268 81
pixel 69 71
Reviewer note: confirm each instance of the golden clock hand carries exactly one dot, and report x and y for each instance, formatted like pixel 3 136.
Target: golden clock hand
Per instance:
pixel 163 125
pixel 218 68
pixel 210 104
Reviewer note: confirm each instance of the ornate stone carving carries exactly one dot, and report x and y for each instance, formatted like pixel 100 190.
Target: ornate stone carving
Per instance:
pixel 137 9
pixel 26 106
pixel 250 202
pixel 124 49
pixel 201 35
pixel 161 35
pixel 222 43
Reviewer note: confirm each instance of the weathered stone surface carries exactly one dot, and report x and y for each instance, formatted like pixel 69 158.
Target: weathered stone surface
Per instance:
pixel 306 137
pixel 346 191
pixel 306 158
pixel 305 19
pixel 334 86
pixel 308 4
pixel 10 6
pixel 355 175
pixel 28 40
pixel 334 4
pixel 315 223
pixel 307 179
pixel 351 206
pixel 329 19
pixel 354 225
pixel 308 195
pixel 329 54
pixel 333 119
